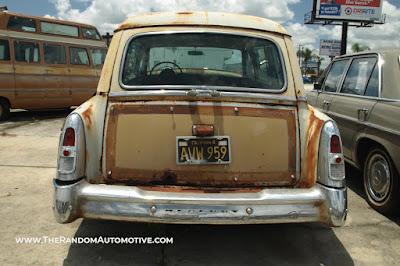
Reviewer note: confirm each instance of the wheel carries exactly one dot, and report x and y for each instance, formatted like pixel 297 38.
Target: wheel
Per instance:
pixel 4 109
pixel 381 182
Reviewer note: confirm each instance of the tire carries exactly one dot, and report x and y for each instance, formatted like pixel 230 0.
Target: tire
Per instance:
pixel 381 182
pixel 4 109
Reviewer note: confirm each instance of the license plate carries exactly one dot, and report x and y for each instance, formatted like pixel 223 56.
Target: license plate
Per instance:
pixel 194 150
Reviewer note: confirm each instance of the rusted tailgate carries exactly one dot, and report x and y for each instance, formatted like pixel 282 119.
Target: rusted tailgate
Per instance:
pixel 141 143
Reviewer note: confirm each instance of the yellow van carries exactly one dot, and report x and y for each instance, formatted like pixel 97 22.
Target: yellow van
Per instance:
pixel 47 63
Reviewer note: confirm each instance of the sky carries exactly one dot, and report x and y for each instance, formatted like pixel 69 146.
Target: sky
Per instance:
pixel 107 14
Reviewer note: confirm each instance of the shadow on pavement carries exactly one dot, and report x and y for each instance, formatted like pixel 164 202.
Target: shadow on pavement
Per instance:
pixel 287 244
pixel 354 181
pixel 22 115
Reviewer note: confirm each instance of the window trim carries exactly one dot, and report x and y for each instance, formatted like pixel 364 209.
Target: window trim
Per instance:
pixel 348 69
pixel 380 65
pixel 55 44
pixel 342 76
pixel 206 87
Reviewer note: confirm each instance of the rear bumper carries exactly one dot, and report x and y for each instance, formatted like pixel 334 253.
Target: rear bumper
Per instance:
pixel 127 203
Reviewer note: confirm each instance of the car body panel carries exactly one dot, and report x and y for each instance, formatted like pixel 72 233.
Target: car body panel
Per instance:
pixel 275 141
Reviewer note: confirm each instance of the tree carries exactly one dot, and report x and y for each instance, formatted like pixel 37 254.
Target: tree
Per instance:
pixel 307 55
pixel 356 47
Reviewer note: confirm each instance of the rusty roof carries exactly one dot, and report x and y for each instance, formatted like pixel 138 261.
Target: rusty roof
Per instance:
pixel 202 19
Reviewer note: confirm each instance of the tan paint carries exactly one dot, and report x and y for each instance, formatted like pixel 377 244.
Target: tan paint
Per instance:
pixel 40 85
pixel 227 20
pixel 262 143
pixel 130 124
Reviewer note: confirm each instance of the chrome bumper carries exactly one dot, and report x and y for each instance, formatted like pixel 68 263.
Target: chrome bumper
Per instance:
pixel 127 203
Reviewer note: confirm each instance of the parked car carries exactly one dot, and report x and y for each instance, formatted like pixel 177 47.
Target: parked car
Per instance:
pixel 47 63
pixel 361 92
pixel 200 118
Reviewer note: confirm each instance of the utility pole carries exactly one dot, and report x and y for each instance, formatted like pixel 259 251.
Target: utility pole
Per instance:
pixel 343 46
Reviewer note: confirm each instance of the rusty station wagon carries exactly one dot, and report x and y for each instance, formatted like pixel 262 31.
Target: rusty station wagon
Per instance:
pixel 200 117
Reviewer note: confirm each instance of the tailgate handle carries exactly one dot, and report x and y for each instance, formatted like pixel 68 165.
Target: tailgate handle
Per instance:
pixel 203 93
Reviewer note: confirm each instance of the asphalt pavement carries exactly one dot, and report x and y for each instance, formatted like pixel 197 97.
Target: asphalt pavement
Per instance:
pixel 28 155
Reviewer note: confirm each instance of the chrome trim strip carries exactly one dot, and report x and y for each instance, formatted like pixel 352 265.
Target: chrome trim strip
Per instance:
pixel 228 88
pixel 264 98
pixel 362 97
pixel 130 203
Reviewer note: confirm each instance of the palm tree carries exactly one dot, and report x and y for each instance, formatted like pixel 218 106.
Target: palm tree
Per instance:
pixel 307 55
pixel 356 47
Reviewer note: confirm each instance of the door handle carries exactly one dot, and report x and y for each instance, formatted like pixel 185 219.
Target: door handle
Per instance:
pixel 326 105
pixel 362 114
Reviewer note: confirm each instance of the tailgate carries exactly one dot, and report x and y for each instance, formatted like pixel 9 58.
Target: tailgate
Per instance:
pixel 141 145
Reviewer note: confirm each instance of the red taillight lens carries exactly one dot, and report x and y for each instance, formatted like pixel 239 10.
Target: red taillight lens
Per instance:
pixel 69 137
pixel 335 144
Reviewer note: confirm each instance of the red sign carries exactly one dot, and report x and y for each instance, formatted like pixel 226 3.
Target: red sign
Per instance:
pixel 370 3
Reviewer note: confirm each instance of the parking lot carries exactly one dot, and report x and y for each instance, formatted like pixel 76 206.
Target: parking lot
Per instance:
pixel 28 148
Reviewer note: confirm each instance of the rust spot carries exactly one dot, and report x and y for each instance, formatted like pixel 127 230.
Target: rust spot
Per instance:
pixel 309 169
pixel 87 115
pixel 200 189
pixel 184 13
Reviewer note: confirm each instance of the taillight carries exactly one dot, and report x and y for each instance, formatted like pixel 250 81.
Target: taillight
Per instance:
pixel 335 144
pixel 71 155
pixel 331 170
pixel 69 137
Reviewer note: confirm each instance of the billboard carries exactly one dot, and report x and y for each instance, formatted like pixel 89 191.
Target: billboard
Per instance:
pixel 329 47
pixel 354 10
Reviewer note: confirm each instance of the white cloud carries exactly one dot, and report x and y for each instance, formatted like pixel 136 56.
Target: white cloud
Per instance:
pixel 378 36
pixel 106 14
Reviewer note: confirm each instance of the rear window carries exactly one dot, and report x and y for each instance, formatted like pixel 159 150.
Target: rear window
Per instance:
pixel 203 59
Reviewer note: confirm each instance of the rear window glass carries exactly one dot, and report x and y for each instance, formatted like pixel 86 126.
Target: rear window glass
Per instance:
pixel 79 56
pixel 54 54
pixel 21 24
pixel 90 34
pixel 59 29
pixel 4 50
pixel 203 59
pixel 26 52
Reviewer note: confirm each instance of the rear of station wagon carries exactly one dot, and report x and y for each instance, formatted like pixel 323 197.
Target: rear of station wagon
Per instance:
pixel 200 118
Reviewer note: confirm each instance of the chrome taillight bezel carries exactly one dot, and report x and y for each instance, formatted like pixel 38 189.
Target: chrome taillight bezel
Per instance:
pixel 77 152
pixel 326 159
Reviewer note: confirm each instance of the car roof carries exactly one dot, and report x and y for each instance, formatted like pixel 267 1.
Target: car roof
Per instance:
pixel 382 51
pixel 202 19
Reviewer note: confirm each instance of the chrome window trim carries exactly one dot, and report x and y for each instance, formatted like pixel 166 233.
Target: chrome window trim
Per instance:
pixel 380 62
pixel 185 87
pixel 263 98
pixel 341 77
